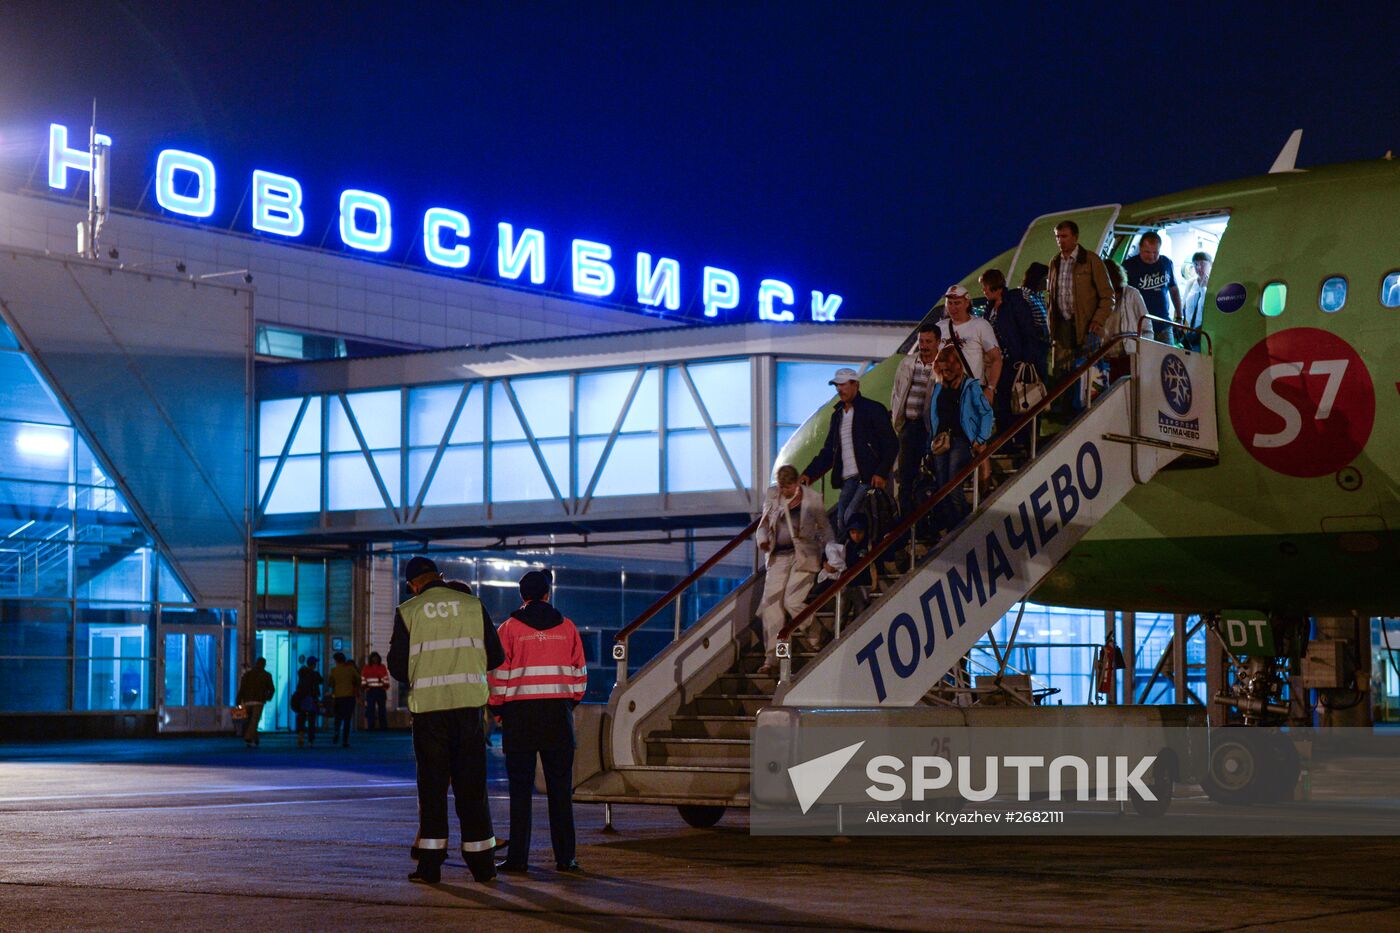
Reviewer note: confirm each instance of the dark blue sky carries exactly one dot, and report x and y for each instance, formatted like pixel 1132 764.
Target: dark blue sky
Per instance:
pixel 876 150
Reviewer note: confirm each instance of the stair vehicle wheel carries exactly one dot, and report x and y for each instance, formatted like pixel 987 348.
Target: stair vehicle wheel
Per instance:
pixel 1239 768
pixel 701 817
pixel 1160 780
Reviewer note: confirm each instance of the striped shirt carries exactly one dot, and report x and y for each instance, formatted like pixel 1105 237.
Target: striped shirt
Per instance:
pixel 919 383
pixel 1064 285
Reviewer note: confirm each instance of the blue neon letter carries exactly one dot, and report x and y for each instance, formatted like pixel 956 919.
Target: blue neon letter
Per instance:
pixel 171 161
pixel 435 221
pixel 659 286
pixel 768 291
pixel 511 256
pixel 277 204
pixel 61 158
pixel 351 234
pixel 721 290
pixel 824 307
pixel 593 275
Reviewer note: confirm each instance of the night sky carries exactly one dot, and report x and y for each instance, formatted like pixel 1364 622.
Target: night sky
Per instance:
pixel 880 151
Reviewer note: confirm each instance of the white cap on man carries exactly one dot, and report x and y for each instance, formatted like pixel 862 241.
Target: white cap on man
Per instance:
pixel 955 291
pixel 844 375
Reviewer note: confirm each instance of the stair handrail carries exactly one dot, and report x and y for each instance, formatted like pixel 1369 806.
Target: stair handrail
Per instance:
pixel 619 650
pixel 973 465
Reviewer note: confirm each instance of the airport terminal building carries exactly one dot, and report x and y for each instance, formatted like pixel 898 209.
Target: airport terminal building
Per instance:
pixel 218 445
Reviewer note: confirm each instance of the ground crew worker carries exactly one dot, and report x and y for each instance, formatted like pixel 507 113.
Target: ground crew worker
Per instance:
pixel 442 647
pixel 534 693
pixel 375 678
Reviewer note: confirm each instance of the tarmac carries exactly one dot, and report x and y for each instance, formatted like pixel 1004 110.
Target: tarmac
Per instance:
pixel 201 834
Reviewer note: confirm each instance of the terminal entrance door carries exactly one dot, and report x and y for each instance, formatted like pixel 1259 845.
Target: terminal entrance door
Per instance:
pixel 193 694
pixel 284 650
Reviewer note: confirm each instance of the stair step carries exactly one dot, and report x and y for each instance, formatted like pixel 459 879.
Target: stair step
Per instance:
pixel 680 750
pixel 747 683
pixel 712 785
pixel 727 704
pixel 716 727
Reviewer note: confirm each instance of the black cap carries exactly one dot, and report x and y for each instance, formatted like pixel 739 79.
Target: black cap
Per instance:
pixel 858 520
pixel 535 584
pixel 418 566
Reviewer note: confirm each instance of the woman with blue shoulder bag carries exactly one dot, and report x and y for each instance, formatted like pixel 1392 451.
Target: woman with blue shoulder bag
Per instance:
pixel 960 423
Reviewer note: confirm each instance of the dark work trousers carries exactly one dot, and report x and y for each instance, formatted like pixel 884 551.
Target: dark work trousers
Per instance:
pixel 306 725
pixel 376 705
pixel 558 783
pixel 451 752
pixel 344 715
pixel 913 444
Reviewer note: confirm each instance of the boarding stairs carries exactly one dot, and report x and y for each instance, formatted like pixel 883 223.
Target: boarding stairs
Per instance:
pixel 679 730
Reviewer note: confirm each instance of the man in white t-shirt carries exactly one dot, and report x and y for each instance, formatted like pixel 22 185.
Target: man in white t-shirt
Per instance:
pixel 975 338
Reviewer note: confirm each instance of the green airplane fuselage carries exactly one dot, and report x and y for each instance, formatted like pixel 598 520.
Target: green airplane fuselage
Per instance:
pixel 1302 511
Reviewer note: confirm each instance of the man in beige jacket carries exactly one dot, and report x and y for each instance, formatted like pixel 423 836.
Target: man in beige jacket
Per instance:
pixel 1080 301
pixel 793 531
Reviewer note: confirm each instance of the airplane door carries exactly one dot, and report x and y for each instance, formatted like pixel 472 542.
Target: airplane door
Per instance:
pixel 1038 243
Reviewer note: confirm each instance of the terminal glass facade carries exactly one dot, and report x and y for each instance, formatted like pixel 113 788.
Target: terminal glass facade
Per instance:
pixel 81 583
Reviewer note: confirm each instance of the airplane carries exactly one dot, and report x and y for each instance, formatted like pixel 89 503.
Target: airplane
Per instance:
pixel 1301 512
pixel 1286 520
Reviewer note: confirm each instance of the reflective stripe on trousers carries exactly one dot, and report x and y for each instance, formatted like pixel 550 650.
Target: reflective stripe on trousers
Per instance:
pixel 485 845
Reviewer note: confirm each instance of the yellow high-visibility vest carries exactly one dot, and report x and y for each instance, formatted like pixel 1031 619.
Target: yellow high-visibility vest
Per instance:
pixel 446 650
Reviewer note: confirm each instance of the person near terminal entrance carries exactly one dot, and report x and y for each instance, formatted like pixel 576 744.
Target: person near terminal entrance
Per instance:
pixel 533 695
pixel 913 381
pixel 374 677
pixel 255 689
pixel 860 448
pixel 793 532
pixel 306 702
pixel 345 685
pixel 443 645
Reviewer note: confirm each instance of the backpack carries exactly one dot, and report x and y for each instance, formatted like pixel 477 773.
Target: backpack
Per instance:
pixel 880 512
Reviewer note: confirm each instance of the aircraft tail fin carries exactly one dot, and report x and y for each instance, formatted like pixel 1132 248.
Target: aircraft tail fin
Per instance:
pixel 1288 156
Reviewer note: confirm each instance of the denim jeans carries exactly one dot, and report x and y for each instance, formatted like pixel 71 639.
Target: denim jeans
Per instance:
pixel 852 495
pixel 954 507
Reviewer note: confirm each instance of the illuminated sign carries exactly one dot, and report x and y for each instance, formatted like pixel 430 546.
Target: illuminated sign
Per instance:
pixel 186 184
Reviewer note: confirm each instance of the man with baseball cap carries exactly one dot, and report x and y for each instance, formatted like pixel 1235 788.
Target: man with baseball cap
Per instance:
pixel 974 337
pixel 860 447
pixel 442 647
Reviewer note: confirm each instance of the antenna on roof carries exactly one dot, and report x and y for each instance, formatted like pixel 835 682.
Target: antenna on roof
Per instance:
pixel 1288 156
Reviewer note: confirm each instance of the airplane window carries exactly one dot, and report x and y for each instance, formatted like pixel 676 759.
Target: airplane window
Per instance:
pixel 1333 294
pixel 1390 290
pixel 1274 298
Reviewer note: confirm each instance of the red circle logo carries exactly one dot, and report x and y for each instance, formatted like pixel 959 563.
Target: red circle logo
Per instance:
pixel 1302 402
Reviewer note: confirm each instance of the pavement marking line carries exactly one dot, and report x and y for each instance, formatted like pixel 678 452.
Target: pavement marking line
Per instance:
pixel 223 789
pixel 229 806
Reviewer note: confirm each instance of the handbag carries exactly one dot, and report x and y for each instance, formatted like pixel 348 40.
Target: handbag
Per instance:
pixel 239 712
pixel 941 442
pixel 1027 389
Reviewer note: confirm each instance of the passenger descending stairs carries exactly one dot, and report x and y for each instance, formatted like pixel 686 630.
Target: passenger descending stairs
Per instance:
pixel 679 730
